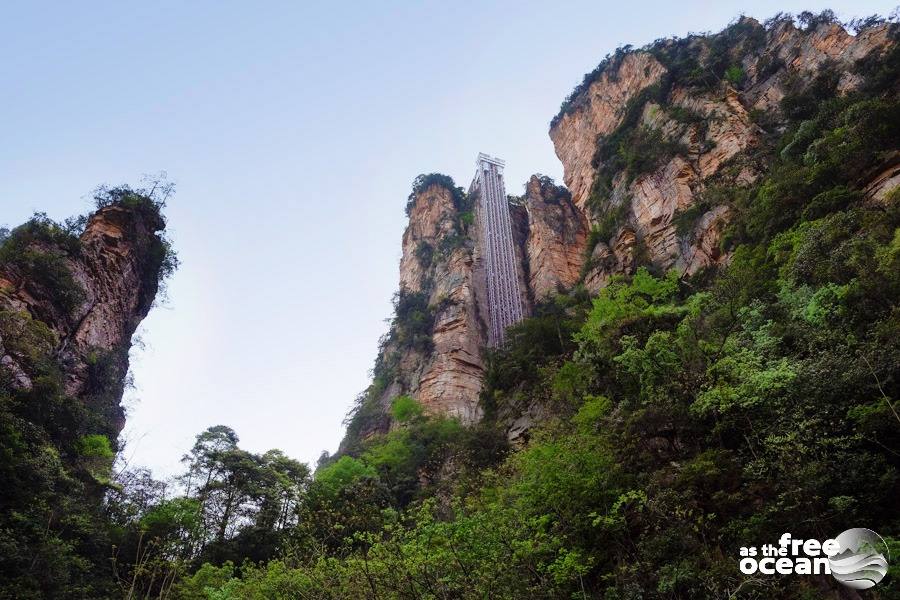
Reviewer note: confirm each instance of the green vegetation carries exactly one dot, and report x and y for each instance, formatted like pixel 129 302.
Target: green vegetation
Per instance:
pixel 425 254
pixel 632 149
pixel 636 150
pixel 94 446
pixel 687 116
pixel 413 320
pixel 716 193
pixel 608 220
pixel 405 409
pixel 552 193
pixel 735 75
pixel 38 251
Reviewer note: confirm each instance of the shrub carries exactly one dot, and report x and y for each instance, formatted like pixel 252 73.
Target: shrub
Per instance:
pixel 633 148
pixel 405 409
pixel 881 73
pixel 810 21
pixel 451 242
pixel 424 254
pixel 94 446
pixel 735 75
pixel 607 221
pixel 28 338
pixel 802 101
pixel 684 220
pixel 413 321
pixel 342 473
pixel 39 249
pixel 552 193
pixel 686 115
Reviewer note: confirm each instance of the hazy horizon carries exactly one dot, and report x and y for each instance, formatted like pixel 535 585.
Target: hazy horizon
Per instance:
pixel 293 134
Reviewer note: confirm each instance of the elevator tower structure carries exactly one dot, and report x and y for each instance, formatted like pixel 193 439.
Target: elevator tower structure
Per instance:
pixel 498 248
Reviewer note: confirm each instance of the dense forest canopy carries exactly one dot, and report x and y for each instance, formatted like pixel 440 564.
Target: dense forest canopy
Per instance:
pixel 686 416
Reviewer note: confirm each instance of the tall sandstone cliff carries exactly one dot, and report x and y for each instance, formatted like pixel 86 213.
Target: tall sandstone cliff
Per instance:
pixel 80 301
pixel 706 130
pixel 439 262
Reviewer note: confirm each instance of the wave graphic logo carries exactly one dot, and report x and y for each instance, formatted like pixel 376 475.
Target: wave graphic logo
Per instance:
pixel 860 563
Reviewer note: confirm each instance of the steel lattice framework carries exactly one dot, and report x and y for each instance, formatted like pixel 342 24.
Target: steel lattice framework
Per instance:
pixel 495 224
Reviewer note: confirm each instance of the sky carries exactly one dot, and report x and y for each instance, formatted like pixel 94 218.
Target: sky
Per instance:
pixel 293 131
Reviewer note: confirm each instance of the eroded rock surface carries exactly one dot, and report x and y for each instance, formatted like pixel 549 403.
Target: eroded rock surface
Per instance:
pixel 557 235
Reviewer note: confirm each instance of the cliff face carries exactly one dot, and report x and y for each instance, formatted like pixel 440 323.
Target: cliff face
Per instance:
pixel 442 273
pixel 710 128
pixel 599 112
pixel 81 301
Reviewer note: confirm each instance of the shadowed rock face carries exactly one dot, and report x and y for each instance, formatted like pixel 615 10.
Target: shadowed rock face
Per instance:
pixel 712 153
pixel 116 266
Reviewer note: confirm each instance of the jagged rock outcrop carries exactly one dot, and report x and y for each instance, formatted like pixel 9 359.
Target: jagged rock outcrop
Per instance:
pixel 557 235
pixel 879 184
pixel 615 258
pixel 109 282
pixel 713 130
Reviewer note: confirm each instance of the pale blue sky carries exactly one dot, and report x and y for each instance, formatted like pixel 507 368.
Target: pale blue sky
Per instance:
pixel 293 131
